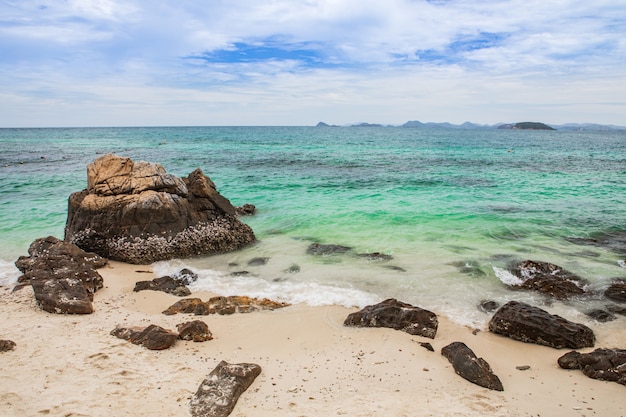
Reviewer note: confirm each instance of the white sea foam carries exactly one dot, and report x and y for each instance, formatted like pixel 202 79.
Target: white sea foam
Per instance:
pixel 8 273
pixel 506 277
pixel 291 292
pixel 622 263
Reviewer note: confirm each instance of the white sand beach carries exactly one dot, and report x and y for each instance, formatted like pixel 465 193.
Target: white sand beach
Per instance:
pixel 65 365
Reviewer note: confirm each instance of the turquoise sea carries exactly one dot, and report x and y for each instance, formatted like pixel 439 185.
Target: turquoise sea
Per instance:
pixel 452 207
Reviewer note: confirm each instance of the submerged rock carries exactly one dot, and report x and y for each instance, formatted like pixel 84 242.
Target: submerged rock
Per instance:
pixel 600 315
pixel 529 324
pixel 63 276
pixel 396 315
pixel 487 306
pixel 319 249
pixel 217 395
pixel 222 305
pixel 135 212
pixel 616 291
pixel 604 364
pixel 470 367
pixel 548 279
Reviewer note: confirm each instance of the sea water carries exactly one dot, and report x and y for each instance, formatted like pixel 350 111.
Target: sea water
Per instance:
pixel 452 207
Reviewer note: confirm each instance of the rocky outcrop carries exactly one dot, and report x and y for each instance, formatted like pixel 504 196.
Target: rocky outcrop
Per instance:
pixel 324 250
pixel 222 305
pixel 470 367
pixel 616 291
pixel 195 330
pixel 604 364
pixel 396 315
pixel 152 337
pixel 63 276
pixel 548 279
pixel 135 212
pixel 165 284
pixel 217 395
pixel 6 345
pixel 529 324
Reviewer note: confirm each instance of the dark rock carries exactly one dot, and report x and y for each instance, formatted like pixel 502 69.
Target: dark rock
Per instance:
pixel 469 267
pixel 487 306
pixel 222 305
pixel 470 367
pixel 6 345
pixel 135 212
pixel 258 261
pixel 246 210
pixel 617 309
pixel 529 324
pixel 523 367
pixel 396 315
pixel 293 269
pixel 196 330
pixel 217 395
pixel 604 364
pixel 166 284
pixel 319 249
pixel 614 241
pixel 63 276
pixel 601 315
pixel 152 337
pixel 185 276
pixel 616 291
pixel 395 268
pixel 547 278
pixel 427 346
pixel 376 256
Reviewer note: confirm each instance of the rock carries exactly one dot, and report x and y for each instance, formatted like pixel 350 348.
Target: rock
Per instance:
pixel 396 315
pixel 196 330
pixel 604 364
pixel 427 346
pixel 246 210
pixel 152 337
pixel 137 213
pixel 6 345
pixel 529 324
pixel 293 269
pixel 166 284
pixel 470 367
pixel 375 256
pixel 617 309
pixel 185 276
pixel 614 241
pixel 616 291
pixel 601 315
pixel 487 306
pixel 319 249
pixel 222 305
pixel 258 261
pixel 218 393
pixel 63 276
pixel 548 279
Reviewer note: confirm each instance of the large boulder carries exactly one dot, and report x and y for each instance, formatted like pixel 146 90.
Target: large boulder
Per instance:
pixel 396 315
pixel 604 364
pixel 529 324
pixel 217 395
pixel 135 212
pixel 63 276
pixel 548 279
pixel 469 366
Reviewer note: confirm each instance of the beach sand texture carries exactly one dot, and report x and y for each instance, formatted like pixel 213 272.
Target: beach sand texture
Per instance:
pixel 312 365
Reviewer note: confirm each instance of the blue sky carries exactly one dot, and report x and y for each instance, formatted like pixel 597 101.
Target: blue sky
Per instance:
pixel 297 62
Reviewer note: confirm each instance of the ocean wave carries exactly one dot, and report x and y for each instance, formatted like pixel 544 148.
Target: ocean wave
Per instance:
pixel 292 292
pixel 506 277
pixel 8 273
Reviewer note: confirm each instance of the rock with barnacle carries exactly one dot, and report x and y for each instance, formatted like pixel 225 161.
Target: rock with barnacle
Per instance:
pixel 136 212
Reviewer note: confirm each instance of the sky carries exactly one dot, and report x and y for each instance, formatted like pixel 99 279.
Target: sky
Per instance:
pixel 298 62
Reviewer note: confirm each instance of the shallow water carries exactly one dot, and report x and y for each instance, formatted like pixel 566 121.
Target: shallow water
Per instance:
pixel 448 205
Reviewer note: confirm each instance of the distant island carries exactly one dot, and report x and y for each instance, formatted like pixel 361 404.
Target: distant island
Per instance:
pixel 415 124
pixel 527 126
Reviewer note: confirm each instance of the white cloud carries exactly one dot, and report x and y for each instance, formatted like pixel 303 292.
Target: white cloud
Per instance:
pixel 111 62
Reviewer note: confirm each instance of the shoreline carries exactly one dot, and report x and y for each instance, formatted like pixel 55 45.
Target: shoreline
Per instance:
pixel 311 364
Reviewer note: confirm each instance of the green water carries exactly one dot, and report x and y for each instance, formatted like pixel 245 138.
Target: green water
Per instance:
pixel 448 205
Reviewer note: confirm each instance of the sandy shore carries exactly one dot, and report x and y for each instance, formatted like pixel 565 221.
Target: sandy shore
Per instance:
pixel 312 364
